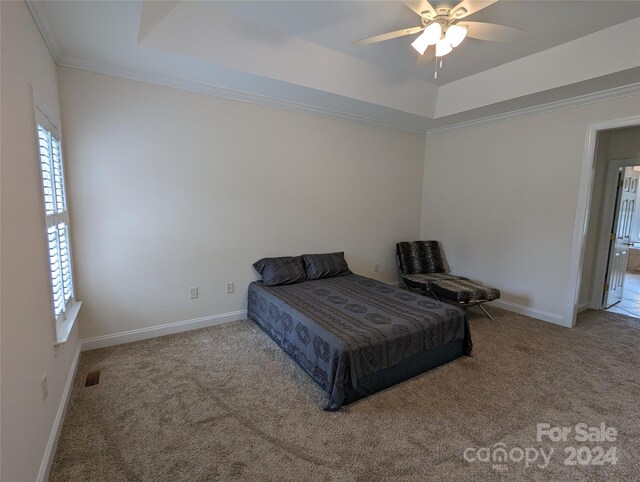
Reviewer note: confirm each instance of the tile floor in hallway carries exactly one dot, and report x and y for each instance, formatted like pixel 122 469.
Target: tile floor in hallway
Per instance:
pixel 630 304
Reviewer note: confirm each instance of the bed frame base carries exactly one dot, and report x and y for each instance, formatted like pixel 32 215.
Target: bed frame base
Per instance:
pixel 409 368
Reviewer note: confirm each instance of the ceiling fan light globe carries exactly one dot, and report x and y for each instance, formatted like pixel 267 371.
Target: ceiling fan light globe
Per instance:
pixel 433 33
pixel 430 36
pixel 443 47
pixel 420 44
pixel 455 35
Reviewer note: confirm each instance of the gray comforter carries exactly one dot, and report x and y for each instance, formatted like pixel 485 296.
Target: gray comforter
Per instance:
pixel 344 328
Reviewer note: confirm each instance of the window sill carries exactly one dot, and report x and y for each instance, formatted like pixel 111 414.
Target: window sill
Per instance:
pixel 64 327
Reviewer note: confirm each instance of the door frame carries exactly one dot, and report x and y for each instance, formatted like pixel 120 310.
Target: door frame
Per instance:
pixel 604 230
pixel 587 171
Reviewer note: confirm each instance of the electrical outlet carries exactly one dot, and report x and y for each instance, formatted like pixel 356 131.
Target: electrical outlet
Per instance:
pixel 376 267
pixel 45 388
pixel 193 293
pixel 229 288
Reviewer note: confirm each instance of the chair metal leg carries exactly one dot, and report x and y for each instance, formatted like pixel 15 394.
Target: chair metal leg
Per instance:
pixel 465 306
pixel 485 312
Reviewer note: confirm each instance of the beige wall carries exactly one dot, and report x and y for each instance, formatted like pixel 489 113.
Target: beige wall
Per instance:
pixel 502 198
pixel 612 145
pixel 28 329
pixel 173 189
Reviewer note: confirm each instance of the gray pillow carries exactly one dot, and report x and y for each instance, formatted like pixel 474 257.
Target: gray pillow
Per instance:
pixel 281 271
pixel 325 265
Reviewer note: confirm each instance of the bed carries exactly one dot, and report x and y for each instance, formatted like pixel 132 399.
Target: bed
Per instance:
pixel 356 336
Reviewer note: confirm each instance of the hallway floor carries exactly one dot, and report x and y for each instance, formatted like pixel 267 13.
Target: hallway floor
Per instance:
pixel 630 304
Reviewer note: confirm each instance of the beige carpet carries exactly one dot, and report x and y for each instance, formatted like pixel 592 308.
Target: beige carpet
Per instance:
pixel 226 403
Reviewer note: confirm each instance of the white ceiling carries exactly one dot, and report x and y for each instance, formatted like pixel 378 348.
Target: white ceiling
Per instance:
pixel 298 54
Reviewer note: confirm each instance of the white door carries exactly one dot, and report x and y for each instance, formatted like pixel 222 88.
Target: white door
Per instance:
pixel 620 236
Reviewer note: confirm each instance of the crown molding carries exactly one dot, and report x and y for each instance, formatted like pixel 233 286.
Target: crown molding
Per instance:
pixel 578 101
pixel 43 22
pixel 241 96
pixel 224 92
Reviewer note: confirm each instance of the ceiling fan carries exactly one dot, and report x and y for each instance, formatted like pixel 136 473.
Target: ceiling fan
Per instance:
pixel 443 26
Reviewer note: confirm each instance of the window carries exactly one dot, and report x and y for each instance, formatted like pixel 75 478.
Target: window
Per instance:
pixel 57 225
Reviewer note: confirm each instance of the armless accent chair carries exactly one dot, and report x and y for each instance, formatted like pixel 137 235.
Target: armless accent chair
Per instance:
pixel 423 269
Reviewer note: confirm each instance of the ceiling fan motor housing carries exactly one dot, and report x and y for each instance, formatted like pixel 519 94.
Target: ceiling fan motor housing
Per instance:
pixel 443 16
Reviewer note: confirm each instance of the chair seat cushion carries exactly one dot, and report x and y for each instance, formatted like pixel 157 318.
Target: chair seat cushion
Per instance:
pixel 425 281
pixel 464 291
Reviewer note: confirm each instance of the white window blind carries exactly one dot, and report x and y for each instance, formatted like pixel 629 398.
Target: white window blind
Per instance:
pixel 57 221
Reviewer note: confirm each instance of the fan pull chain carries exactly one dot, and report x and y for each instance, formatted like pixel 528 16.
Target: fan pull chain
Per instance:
pixel 435 74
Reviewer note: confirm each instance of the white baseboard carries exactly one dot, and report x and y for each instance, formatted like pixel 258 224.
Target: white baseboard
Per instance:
pixel 160 330
pixel 532 312
pixel 52 443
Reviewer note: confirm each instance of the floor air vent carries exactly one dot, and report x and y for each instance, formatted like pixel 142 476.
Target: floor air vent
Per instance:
pixel 93 378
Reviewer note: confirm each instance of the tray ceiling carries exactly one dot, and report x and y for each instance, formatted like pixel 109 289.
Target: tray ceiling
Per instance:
pixel 299 53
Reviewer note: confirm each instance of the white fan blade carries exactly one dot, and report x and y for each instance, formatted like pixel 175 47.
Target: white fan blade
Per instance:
pixel 419 6
pixel 490 31
pixel 467 7
pixel 427 57
pixel 388 36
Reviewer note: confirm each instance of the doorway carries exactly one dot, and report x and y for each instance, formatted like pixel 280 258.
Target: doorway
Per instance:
pixel 621 292
pixel 612 152
pixel 605 140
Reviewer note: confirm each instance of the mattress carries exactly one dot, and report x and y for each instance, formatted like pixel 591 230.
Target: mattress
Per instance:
pixel 354 335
